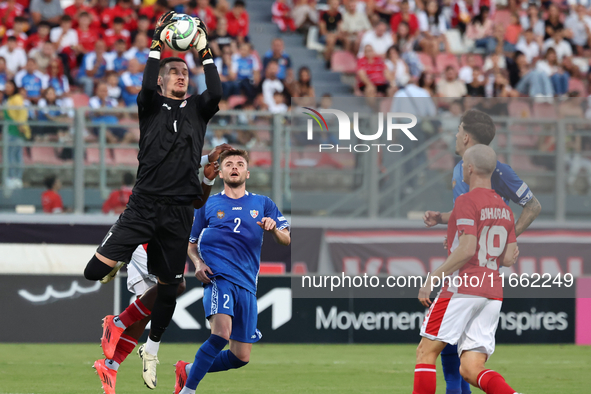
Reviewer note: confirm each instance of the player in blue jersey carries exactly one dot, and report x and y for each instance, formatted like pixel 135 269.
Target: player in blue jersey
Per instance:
pixel 225 245
pixel 476 127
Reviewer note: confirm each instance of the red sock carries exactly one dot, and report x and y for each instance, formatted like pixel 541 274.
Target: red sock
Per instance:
pixel 125 346
pixel 425 379
pixel 492 382
pixel 134 312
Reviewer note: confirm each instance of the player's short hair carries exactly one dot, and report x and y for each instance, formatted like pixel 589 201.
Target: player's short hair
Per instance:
pixel 483 158
pixel 234 152
pixel 50 181
pixel 167 60
pixel 479 125
pixel 20 19
pixel 118 20
pixel 66 18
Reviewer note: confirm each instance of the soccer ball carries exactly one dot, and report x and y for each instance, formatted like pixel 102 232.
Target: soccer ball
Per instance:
pixel 183 34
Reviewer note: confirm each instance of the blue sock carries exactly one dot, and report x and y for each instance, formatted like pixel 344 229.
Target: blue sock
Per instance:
pixel 226 360
pixel 450 361
pixel 466 388
pixel 204 358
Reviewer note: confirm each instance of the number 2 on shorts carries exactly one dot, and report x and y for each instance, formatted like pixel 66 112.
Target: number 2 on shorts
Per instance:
pixel 227 299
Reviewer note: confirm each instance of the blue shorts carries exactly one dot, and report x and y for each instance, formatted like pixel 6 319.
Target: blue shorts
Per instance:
pixel 224 297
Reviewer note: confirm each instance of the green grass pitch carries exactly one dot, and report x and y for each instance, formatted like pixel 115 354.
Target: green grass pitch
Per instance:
pixel 65 369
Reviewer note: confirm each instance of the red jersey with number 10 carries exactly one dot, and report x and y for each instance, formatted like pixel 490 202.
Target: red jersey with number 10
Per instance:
pixel 484 214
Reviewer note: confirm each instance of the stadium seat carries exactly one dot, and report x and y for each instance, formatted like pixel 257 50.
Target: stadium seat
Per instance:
pixel 93 156
pixel 80 100
pixel 576 85
pixel 261 159
pixel 477 58
pixel 236 100
pixel 44 155
pixel 446 59
pixel 125 156
pixel 343 62
pixel 544 110
pixel 426 61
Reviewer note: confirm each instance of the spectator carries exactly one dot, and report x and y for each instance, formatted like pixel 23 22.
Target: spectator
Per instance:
pixel 44 55
pixel 224 64
pixel 247 69
pixel 405 47
pixel 462 13
pixel 112 81
pixel 139 51
pixel 124 10
pixel 553 22
pixel 355 23
pixel 93 67
pixel 531 20
pixel 579 23
pixel 271 84
pixel 15 57
pixel 238 21
pixel 77 9
pixel 371 73
pixel 87 35
pixel 17 133
pixel 405 16
pixel 64 36
pixel 277 54
pixel 117 32
pixel 379 39
pixel 330 29
pixel 3 75
pixel 528 45
pixel 558 76
pixel 202 10
pixel 427 82
pixel 386 9
pixel 51 201
pixel 220 38
pixel 31 80
pixel 118 58
pixel 36 40
pixel 56 78
pixel 18 31
pixel 560 45
pixel 143 27
pixel 46 10
pixel 9 10
pixel 396 69
pixel 278 105
pixel 480 30
pixel 495 62
pixel 432 27
pixel 303 86
pixel 465 73
pixel 304 14
pixel 512 33
pixel 476 86
pixel 118 199
pixel 55 114
pixel 281 12
pixel 154 11
pixel 528 81
pixel 101 104
pixel 451 86
pixel 131 82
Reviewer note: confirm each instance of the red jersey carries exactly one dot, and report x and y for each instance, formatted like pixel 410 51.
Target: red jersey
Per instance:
pixel 21 39
pixel 74 12
pixel 111 37
pixel 117 200
pixel 374 70
pixel 87 38
pixel 206 15
pixel 34 41
pixel 482 213
pixel 7 15
pixel 237 27
pixel 126 13
pixel 153 17
pixel 413 23
pixel 51 202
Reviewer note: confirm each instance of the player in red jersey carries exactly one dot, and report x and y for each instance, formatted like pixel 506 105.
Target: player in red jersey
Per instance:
pixel 480 236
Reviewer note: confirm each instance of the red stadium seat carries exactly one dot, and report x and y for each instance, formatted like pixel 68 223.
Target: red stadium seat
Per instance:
pixel 93 156
pixel 576 85
pixel 80 100
pixel 44 155
pixel 234 101
pixel 427 62
pixel 477 58
pixel 343 62
pixel 261 159
pixel 446 59
pixel 125 156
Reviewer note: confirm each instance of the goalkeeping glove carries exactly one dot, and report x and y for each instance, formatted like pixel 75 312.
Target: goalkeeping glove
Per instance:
pixel 164 21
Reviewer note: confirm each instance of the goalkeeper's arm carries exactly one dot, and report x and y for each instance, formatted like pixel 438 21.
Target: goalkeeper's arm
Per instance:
pixel 208 102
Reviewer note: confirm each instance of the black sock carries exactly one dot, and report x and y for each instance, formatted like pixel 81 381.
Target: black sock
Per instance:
pixel 96 269
pixel 163 310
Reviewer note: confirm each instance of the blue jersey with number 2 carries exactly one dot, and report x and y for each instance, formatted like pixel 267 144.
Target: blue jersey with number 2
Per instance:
pixel 504 181
pixel 229 238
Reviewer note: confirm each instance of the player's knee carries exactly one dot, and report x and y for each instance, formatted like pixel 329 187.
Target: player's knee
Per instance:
pixel 167 293
pixel 425 355
pixel 467 372
pixel 96 269
pixel 242 358
pixel 223 332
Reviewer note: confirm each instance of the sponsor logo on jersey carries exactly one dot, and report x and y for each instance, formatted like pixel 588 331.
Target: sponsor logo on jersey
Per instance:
pixel 254 213
pixel 236 208
pixel 183 104
pixel 167 106
pixel 221 214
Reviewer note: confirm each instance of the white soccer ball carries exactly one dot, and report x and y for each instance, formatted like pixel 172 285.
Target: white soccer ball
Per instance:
pixel 183 34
